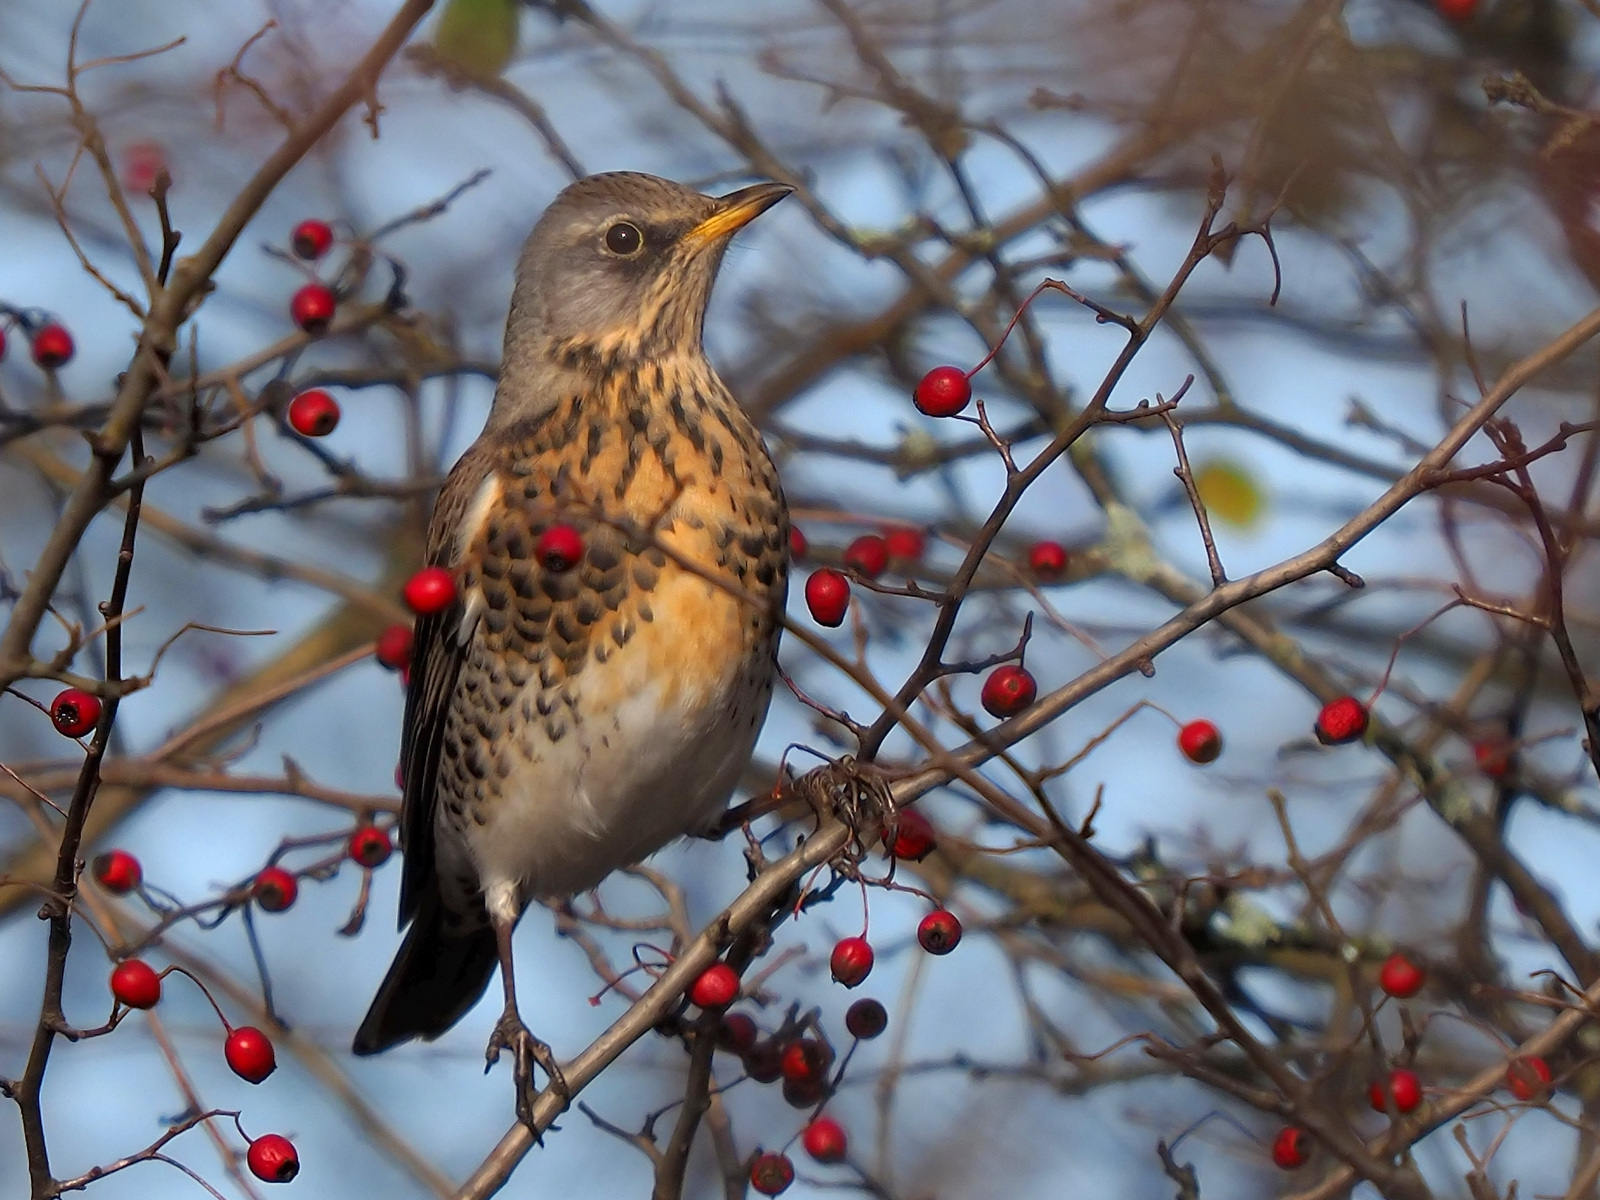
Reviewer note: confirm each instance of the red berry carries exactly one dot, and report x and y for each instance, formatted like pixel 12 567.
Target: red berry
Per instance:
pixel 824 1140
pixel 939 932
pixel 1401 977
pixel 117 871
pixel 249 1052
pixel 868 555
pixel 804 1093
pixel 1402 1085
pixel 312 307
pixel 141 163
pixel 1047 560
pixel 805 1060
pixel 1009 690
pixel 272 1159
pixel 430 591
pixel 1528 1077
pixel 311 239
pixel 52 346
pixel 737 1034
pixel 1200 742
pixel 771 1174
pixel 394 647
pixel 866 1019
pixel 717 987
pixel 314 413
pixel 1456 10
pixel 763 1062
pixel 797 540
pixel 369 847
pixel 1493 755
pixel 914 838
pixel 827 596
pixel 1340 721
pixel 1289 1149
pixel 274 889
pixel 851 961
pixel 904 543
pixel 75 712
pixel 559 548
pixel 135 983
pixel 942 392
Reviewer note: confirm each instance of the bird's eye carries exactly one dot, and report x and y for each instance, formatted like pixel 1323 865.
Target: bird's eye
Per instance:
pixel 624 239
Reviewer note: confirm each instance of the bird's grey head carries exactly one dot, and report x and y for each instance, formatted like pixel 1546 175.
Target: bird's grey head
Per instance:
pixel 618 269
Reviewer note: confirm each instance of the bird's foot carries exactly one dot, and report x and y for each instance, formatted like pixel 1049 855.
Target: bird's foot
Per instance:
pixel 527 1052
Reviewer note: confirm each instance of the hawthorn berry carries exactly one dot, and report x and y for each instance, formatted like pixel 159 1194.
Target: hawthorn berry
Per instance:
pixel 914 838
pixel 904 542
pixel 827 596
pixel 312 307
pixel 763 1062
pixel 52 346
pixel 851 961
pixel 1289 1149
pixel 717 987
pixel 117 871
pixel 314 413
pixel 311 239
pixel 1402 1086
pixel 868 555
pixel 369 847
pixel 142 162
pixel 1528 1077
pixel 274 889
pixel 75 712
pixel 559 548
pixel 771 1174
pixel 939 932
pixel 866 1019
pixel 805 1061
pixel 1456 10
pixel 1010 689
pixel 824 1140
pixel 737 1034
pixel 942 392
pixel 807 1093
pixel 1400 977
pixel 1493 756
pixel 1200 742
pixel 394 647
pixel 1341 721
pixel 135 983
pixel 249 1052
pixel 430 591
pixel 1047 560
pixel 797 540
pixel 272 1159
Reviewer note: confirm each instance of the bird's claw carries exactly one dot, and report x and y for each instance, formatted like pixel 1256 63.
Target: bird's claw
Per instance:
pixel 527 1052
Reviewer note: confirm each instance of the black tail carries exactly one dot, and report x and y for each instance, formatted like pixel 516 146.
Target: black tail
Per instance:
pixel 435 978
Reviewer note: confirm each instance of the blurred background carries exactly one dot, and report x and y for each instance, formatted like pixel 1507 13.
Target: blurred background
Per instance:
pixel 1432 178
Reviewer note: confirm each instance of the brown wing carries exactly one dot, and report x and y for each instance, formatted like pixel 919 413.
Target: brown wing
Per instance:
pixel 438 649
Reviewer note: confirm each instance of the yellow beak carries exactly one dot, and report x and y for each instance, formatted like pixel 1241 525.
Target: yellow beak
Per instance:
pixel 736 210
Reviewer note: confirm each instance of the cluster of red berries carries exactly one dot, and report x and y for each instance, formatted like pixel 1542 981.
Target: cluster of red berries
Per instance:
pixel 313 306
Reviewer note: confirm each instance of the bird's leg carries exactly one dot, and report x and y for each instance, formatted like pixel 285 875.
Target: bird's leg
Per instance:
pixel 511 1034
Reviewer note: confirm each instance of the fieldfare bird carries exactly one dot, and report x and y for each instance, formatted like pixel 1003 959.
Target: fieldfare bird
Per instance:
pixel 619 543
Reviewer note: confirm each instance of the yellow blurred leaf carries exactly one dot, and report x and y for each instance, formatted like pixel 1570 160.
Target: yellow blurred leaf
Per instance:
pixel 1230 492
pixel 479 36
